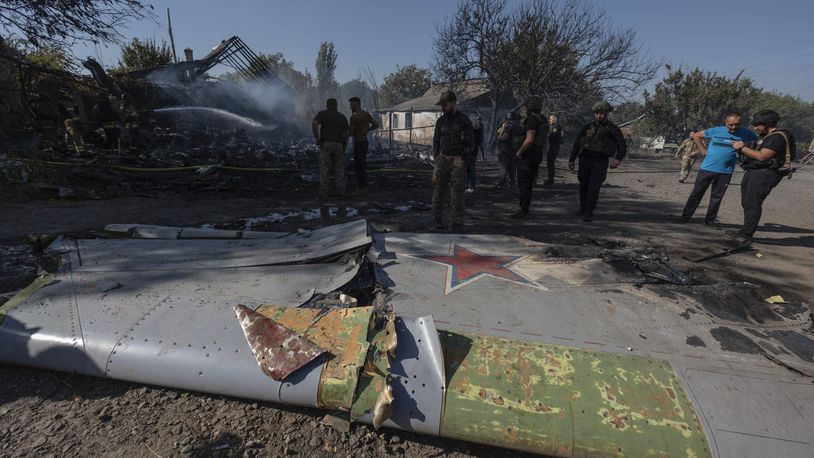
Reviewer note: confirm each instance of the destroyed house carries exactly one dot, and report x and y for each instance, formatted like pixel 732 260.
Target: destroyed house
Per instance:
pixel 252 89
pixel 413 121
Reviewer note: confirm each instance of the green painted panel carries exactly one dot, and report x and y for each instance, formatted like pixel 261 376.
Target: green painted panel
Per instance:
pixel 344 333
pixel 374 376
pixel 565 401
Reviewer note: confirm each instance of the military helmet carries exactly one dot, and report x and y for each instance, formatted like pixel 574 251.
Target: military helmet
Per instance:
pixel 533 103
pixel 602 105
pixel 764 117
pixel 447 96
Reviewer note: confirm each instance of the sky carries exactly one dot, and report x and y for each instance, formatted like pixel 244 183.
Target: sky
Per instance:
pixel 771 41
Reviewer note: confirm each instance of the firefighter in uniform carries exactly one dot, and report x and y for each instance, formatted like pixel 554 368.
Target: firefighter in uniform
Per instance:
pixel 530 154
pixel 131 122
pixel 69 111
pixel 765 162
pixel 599 145
pixel 452 143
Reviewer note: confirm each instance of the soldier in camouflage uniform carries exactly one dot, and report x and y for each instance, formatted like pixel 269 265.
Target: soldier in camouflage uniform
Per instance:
pixel 452 142
pixel 599 145
pixel 331 131
pixel 688 152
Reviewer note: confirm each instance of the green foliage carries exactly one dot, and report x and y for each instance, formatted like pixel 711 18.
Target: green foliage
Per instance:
pixel 627 111
pixel 298 81
pixel 404 84
pixel 52 56
pixel 795 114
pixel 141 54
pixel 356 88
pixel 326 69
pixel 698 98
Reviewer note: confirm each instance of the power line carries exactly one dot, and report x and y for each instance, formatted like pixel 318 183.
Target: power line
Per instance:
pixel 780 71
pixel 802 88
pixel 751 51
pixel 773 61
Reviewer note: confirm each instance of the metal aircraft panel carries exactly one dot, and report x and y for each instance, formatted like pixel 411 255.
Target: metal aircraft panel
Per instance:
pixel 159 254
pixel 743 406
pixel 417 377
pixel 194 344
pixel 528 299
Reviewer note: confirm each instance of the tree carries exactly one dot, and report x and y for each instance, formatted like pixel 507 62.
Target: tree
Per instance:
pixel 471 44
pixel 404 84
pixel 326 69
pixel 141 54
pixel 687 99
pixel 284 68
pixel 566 51
pixel 51 56
pixel 795 114
pixel 58 21
pixel 356 88
pixel 627 111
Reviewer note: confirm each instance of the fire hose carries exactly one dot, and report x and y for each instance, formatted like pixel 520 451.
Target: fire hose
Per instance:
pixel 40 163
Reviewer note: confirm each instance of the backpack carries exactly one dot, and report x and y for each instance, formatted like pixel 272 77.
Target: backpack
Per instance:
pixel 791 154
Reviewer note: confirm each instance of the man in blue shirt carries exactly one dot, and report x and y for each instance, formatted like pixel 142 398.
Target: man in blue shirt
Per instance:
pixel 718 166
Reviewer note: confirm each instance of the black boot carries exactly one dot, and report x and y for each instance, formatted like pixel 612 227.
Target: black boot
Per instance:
pixel 588 216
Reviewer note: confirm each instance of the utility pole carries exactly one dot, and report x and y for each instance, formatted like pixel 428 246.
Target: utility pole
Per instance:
pixel 172 40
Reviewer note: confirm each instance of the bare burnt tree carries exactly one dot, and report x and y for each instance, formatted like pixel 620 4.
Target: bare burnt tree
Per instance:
pixel 470 44
pixel 65 22
pixel 565 51
pixel 568 52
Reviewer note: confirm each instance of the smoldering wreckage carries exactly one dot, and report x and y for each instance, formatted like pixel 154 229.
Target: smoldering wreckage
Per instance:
pixel 173 118
pixel 410 331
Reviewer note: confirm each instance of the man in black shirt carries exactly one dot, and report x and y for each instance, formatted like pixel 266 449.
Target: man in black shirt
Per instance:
pixel 452 143
pixel 331 130
pixel 554 142
pixel 765 162
pixel 599 144
pixel 510 137
pixel 530 154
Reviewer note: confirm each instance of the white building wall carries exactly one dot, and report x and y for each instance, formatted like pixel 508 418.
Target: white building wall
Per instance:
pixel 423 127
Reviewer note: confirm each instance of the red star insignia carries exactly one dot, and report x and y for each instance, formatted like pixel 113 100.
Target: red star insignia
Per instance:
pixel 464 267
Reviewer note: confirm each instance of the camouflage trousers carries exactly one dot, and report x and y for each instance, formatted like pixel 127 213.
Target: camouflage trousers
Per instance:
pixel 331 162
pixel 449 175
pixel 687 161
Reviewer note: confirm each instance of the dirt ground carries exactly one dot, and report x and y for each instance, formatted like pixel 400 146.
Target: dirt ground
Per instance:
pixel 45 413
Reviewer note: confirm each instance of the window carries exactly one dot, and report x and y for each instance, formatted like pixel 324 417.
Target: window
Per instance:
pixel 408 120
pixel 395 121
